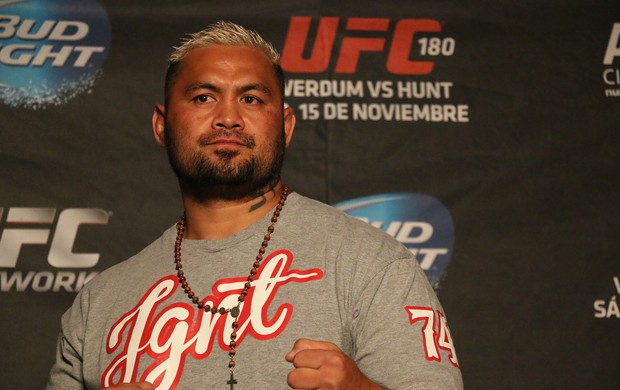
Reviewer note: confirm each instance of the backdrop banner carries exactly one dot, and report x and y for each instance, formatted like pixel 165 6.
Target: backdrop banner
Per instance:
pixel 483 135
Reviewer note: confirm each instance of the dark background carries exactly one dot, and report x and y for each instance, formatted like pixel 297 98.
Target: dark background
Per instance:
pixel 531 180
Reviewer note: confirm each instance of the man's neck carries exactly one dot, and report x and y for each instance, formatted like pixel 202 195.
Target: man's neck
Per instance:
pixel 222 218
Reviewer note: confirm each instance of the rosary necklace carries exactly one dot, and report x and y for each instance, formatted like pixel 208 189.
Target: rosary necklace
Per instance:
pixel 234 311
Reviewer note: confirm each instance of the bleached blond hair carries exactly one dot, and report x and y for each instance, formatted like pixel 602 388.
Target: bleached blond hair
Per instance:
pixel 222 34
pixel 225 34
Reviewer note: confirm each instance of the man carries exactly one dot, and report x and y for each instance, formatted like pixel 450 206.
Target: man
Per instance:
pixel 256 287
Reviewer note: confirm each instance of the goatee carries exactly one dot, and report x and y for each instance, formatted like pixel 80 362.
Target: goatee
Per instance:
pixel 219 176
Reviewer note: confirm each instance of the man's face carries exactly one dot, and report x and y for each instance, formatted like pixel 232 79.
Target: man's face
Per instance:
pixel 225 127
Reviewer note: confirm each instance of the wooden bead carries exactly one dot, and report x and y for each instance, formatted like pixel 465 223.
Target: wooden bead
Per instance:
pixel 234 311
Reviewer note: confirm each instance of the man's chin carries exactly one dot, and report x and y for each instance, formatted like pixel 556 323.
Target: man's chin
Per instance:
pixel 228 153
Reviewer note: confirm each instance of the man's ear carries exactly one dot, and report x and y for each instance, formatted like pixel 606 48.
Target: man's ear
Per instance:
pixel 159 124
pixel 289 123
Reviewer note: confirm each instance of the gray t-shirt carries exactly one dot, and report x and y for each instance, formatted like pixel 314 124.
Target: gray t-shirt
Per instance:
pixel 325 276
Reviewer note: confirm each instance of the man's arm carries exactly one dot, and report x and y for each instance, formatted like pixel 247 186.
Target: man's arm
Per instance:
pixel 66 373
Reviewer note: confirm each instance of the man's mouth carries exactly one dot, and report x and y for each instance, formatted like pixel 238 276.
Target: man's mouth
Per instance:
pixel 226 142
pixel 228 138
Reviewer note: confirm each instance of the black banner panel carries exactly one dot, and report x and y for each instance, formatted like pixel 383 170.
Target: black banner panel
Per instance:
pixel 483 135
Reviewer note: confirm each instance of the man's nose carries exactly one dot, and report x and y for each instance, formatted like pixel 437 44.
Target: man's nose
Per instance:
pixel 228 116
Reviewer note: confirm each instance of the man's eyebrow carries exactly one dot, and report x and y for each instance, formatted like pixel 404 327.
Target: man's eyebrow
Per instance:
pixel 208 86
pixel 243 89
pixel 255 87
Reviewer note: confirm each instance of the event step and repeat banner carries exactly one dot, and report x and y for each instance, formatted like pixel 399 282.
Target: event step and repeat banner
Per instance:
pixel 483 135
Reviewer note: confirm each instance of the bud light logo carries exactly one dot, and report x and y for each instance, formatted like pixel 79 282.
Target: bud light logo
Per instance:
pixel 420 222
pixel 50 51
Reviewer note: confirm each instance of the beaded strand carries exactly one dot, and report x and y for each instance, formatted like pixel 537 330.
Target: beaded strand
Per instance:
pixel 234 311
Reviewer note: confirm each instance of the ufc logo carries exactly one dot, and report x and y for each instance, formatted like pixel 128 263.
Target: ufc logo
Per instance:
pixel 398 61
pixel 61 250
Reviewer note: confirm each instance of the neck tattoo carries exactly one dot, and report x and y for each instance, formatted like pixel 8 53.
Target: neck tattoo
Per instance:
pixel 234 311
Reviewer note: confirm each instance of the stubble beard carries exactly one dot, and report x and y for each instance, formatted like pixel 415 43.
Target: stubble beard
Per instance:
pixel 223 175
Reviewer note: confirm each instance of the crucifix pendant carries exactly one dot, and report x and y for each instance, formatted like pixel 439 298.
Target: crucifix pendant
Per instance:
pixel 232 382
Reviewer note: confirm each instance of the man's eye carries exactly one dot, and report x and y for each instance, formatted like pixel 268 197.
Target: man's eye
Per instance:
pixel 202 98
pixel 250 100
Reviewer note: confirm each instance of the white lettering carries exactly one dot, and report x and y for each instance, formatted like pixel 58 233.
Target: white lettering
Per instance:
pixel 613 49
pixel 323 88
pixel 381 89
pixel 24 31
pixel 60 31
pixel 410 112
pixel 612 308
pixel 46 53
pixel 611 76
pixel 434 339
pixel 169 334
pixel 136 320
pixel 18 54
pixel 425 230
pixel 403 233
pixel 63 30
pixel 22 59
pixel 44 281
pixel 612 92
pixel 61 253
pixel 424 89
pixel 13 239
pixel 444 341
pixel 7 25
pixel 599 308
pixel 427 316
pixel 427 256
pixel 64 280
pixel 17 279
pixel 338 111
pixel 86 52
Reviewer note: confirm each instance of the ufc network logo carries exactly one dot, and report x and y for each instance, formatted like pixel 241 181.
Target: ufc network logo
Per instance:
pixel 398 61
pixel 61 250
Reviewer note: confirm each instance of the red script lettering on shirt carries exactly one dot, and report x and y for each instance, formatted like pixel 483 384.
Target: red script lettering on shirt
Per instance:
pixel 171 334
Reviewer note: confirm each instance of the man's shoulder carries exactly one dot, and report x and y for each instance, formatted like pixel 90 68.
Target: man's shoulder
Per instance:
pixel 312 214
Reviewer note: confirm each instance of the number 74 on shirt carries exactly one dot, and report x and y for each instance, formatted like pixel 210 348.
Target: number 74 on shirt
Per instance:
pixel 435 332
